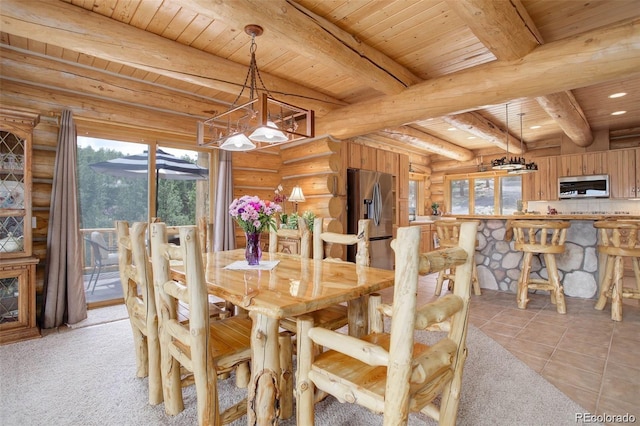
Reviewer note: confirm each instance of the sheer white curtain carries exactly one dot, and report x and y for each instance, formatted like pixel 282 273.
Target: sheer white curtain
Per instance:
pixel 223 234
pixel 64 299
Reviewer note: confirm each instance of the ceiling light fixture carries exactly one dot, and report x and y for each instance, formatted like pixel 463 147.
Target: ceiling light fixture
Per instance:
pixel 259 123
pixel 527 167
pixel 506 163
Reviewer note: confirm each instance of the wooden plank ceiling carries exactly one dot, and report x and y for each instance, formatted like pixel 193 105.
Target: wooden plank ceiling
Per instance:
pixel 433 76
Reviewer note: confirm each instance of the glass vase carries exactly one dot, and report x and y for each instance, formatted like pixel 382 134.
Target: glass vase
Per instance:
pixel 253 252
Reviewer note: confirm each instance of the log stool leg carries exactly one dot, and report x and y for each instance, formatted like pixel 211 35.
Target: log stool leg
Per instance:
pixel 616 290
pixel 605 287
pixel 523 282
pixel 441 276
pixel 474 280
pixel 557 291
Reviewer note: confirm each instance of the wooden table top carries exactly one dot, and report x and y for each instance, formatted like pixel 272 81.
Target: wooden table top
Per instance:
pixel 293 287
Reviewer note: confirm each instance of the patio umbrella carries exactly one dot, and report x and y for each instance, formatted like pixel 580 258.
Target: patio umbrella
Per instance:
pixel 167 167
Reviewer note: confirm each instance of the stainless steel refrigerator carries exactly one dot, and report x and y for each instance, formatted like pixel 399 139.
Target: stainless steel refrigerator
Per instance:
pixel 370 195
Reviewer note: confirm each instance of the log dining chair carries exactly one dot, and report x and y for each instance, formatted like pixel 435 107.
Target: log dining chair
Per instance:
pixel 333 317
pixel 202 347
pixel 448 232
pixel 393 373
pixel 338 316
pixel 546 237
pixel 139 298
pixel 618 240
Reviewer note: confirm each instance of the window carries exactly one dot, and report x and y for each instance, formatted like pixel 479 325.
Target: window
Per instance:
pixel 121 193
pixel 491 194
pixel 416 195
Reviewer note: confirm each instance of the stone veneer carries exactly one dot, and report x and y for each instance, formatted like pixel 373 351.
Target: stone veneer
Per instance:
pixel 498 263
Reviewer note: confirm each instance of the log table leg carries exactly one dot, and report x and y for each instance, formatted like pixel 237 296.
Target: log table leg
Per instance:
pixel 358 316
pixel 263 407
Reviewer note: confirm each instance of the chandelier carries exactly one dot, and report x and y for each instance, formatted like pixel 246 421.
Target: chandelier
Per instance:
pixel 259 123
pixel 513 165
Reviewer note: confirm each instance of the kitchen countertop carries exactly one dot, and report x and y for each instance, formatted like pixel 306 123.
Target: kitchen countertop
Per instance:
pixel 429 220
pixel 550 216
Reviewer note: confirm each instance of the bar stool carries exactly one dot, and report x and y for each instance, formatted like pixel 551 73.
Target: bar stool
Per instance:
pixel 618 239
pixel 546 238
pixel 448 233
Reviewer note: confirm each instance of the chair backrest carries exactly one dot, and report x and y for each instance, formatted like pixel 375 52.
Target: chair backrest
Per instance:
pixel 448 232
pixel 100 244
pixel 189 339
pixel 539 236
pixel 619 237
pixel 203 233
pixel 415 373
pixel 302 233
pixel 135 270
pixel 139 296
pixel 322 241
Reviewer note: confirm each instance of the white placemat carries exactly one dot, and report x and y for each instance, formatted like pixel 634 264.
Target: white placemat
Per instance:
pixel 243 265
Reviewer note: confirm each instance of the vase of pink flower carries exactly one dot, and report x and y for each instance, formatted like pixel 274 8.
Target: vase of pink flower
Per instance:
pixel 254 216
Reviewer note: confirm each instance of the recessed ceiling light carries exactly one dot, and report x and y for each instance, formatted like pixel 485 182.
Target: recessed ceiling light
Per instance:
pixel 617 95
pixel 535 127
pixel 451 129
pixel 471 137
pixel 618 112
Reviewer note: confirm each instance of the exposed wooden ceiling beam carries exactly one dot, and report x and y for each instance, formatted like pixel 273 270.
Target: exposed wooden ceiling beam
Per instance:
pixel 474 123
pixel 509 32
pixel 597 56
pixel 419 139
pixel 80 30
pixel 566 111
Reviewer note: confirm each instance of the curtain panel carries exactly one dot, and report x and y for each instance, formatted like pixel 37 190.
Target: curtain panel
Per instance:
pixel 64 297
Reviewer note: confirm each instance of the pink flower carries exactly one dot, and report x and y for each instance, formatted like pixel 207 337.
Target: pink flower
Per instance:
pixel 253 214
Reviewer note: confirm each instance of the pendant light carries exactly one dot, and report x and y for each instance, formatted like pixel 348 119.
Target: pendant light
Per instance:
pixel 261 122
pixel 527 167
pixel 506 163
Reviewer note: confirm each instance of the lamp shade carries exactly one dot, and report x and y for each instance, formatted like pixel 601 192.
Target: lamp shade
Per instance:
pixel 268 133
pixel 237 142
pixel 296 195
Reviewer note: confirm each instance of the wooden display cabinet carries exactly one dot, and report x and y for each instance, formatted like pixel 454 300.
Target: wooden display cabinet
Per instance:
pixel 17 265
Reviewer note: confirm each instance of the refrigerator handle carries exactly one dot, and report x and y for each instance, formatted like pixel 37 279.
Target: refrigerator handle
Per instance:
pixel 377 203
pixel 367 208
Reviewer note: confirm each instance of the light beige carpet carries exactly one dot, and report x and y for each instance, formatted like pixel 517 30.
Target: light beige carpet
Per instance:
pixel 86 376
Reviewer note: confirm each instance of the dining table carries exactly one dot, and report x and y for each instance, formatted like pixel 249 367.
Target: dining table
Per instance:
pixel 283 286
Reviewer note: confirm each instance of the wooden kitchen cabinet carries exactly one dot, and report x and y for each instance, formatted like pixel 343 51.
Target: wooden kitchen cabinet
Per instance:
pixel 624 176
pixel 362 157
pixel 426 237
pixel 543 184
pixel 592 163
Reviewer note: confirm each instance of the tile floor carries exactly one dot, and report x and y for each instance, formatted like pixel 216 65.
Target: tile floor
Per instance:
pixel 592 359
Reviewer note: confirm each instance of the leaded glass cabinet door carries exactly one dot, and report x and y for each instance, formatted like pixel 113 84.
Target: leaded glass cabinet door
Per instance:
pixel 15 195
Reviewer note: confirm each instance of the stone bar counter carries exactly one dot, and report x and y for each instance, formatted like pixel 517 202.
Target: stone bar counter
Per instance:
pixel 498 263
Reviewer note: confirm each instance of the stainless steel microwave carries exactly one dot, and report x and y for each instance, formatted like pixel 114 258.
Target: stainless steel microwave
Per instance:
pixel 594 186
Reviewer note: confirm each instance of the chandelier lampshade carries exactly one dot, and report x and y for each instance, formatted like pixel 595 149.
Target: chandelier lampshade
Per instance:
pixel 237 142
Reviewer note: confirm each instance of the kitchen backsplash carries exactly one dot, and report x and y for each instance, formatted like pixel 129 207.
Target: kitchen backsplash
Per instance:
pixel 587 206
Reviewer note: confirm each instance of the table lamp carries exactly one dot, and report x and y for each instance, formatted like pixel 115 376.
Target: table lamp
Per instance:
pixel 296 196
